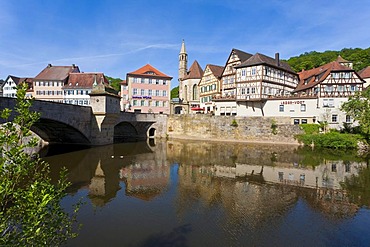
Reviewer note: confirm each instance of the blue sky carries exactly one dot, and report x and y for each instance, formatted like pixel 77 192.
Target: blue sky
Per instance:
pixel 120 36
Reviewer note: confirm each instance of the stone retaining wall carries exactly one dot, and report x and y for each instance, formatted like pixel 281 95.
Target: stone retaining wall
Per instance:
pixel 230 128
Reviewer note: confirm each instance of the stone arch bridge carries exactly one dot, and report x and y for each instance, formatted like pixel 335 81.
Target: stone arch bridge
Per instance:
pixel 64 123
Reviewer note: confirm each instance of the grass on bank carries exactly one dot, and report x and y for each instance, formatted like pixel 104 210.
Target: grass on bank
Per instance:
pixel 332 139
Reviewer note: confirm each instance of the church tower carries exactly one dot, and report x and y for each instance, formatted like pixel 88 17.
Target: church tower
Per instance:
pixel 183 62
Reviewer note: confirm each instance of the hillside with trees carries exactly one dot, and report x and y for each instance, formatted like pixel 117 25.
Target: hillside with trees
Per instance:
pixel 308 60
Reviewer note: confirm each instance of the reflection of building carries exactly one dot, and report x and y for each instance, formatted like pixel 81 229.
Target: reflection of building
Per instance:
pixel 104 184
pixel 145 179
pixel 328 175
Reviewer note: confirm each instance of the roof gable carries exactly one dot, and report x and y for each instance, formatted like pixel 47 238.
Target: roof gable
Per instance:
pixel 85 80
pixel 149 70
pixel 195 71
pixel 365 73
pixel 312 77
pixel 216 70
pixel 259 58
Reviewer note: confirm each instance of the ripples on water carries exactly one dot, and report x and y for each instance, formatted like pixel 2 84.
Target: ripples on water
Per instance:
pixel 209 194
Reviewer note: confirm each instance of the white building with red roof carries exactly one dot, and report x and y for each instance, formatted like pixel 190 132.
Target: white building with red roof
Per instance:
pixel 148 90
pixel 79 86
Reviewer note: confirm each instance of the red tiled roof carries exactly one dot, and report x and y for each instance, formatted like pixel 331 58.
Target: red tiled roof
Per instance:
pixel 85 80
pixel 149 70
pixel 216 70
pixel 58 73
pixel 365 73
pixel 195 71
pixel 123 83
pixel 312 77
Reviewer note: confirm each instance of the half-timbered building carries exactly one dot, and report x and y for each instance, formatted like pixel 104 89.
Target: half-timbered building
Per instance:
pixel 331 85
pixel 228 85
pixel 210 87
pixel 262 77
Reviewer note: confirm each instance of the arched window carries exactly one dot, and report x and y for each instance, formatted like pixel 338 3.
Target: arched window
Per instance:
pixel 185 93
pixel 195 92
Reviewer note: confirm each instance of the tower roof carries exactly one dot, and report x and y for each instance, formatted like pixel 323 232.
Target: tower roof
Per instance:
pixel 195 71
pixel 183 50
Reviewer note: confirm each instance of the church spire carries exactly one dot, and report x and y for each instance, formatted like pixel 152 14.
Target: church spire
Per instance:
pixel 183 61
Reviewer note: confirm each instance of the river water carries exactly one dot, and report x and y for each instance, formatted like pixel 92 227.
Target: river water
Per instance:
pixel 189 193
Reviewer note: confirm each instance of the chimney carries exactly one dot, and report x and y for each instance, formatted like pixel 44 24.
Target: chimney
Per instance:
pixel 49 65
pixel 277 60
pixel 73 65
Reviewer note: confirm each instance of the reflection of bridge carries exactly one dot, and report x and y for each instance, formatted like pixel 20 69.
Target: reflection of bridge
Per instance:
pixel 99 124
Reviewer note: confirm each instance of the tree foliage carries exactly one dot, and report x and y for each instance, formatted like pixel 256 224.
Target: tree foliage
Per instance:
pixel 308 60
pixel 115 82
pixel 30 211
pixel 175 92
pixel 358 107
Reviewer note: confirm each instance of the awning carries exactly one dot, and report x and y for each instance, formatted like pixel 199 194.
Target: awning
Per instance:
pixel 197 109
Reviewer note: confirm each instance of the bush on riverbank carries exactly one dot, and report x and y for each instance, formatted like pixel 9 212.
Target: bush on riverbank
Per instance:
pixel 332 139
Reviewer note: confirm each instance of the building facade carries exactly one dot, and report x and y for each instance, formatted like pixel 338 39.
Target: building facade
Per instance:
pixel 10 84
pixel 317 97
pixel 148 90
pixel 228 78
pixel 125 103
pixel 210 87
pixel 49 83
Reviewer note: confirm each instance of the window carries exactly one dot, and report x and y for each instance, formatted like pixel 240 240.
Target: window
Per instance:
pixel 296 121
pixel 136 80
pixel 150 81
pixel 348 119
pixel 164 93
pixel 142 103
pixel 150 92
pixel 142 80
pixel 142 92
pixel 253 90
pixel 243 72
pixel 303 121
pixel 157 81
pixel 303 107
pixel 134 102
pixel 328 89
pixel 253 71
pixel 164 82
pixel 243 91
pixel 157 93
pixel 334 118
pixel 134 91
pixel 281 108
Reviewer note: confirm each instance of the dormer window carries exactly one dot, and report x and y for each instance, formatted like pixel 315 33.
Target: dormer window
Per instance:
pixel 150 73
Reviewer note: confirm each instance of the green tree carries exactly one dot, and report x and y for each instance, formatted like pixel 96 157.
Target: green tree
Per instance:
pixel 358 107
pixel 30 210
pixel 115 82
pixel 175 92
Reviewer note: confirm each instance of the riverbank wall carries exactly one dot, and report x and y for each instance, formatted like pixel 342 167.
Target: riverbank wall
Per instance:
pixel 233 128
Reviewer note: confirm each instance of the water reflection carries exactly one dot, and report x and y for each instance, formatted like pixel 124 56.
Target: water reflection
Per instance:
pixel 234 191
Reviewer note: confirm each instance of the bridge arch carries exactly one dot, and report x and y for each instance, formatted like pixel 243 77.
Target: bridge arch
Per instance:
pixel 53 131
pixel 125 132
